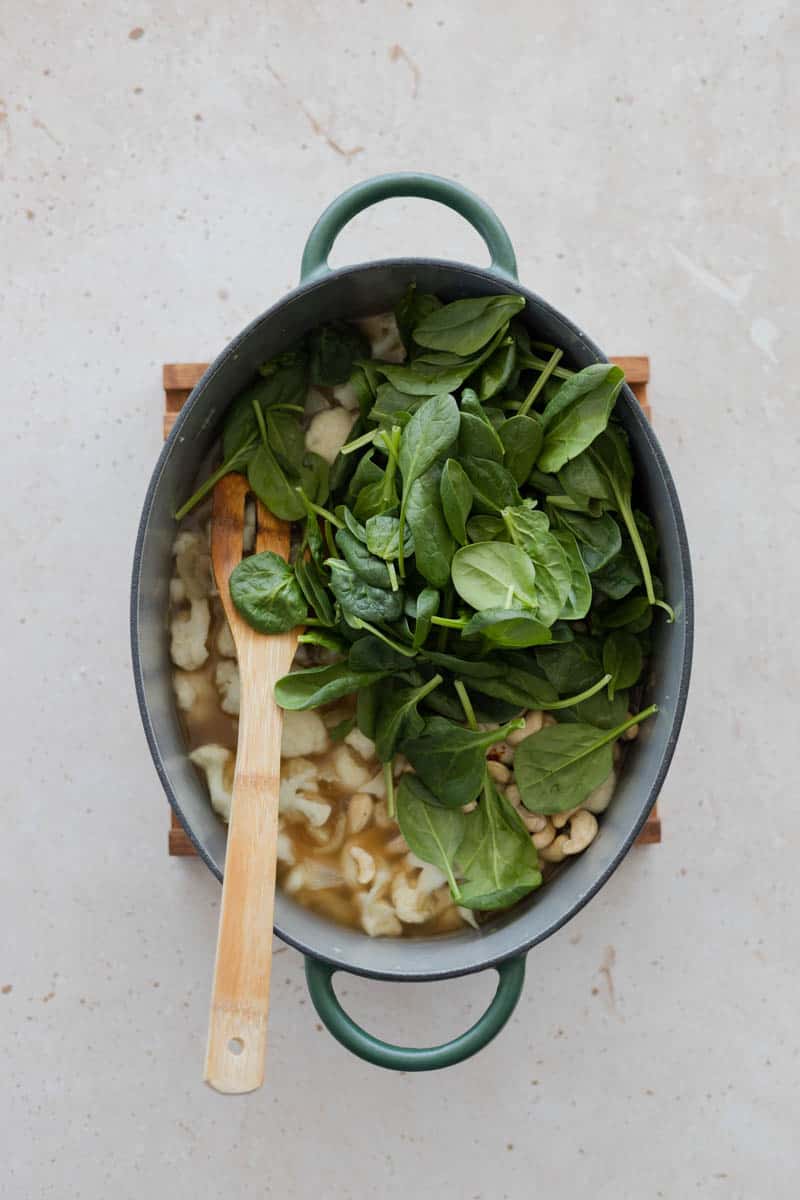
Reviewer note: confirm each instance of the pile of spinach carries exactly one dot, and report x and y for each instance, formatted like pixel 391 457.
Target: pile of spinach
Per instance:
pixel 473 552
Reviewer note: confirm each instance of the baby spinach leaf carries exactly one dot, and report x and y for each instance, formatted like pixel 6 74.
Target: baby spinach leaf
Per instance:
pixel 392 407
pixel 433 543
pixel 478 439
pixel 398 717
pixel 529 529
pixel 511 628
pixel 493 487
pixel 369 568
pixel 284 379
pixel 579 597
pixel 370 653
pixel 598 538
pixel 286 439
pixel 314 477
pixel 496 856
pixel 265 591
pixel 451 760
pixel 427 606
pixel 240 425
pixel 314 686
pixel 522 440
pixel 411 309
pixel 430 432
pixel 314 586
pixel 622 660
pixel 620 575
pixel 333 350
pixel 434 834
pixel 361 599
pixel 456 496
pixel 485 529
pixel 497 370
pixel 272 487
pixel 559 766
pixel 604 471
pixel 383 537
pixel 494 575
pixel 633 614
pixel 578 412
pixel 598 710
pixel 465 326
pixel 237 462
pixel 469 668
pixel 517 686
pixel 366 472
pixel 572 666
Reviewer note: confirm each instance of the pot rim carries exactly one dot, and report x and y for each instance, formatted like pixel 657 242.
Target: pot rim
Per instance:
pixel 498 282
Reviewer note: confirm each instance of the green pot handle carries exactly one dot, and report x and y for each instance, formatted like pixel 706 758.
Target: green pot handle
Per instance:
pixel 427 187
pixel 319 977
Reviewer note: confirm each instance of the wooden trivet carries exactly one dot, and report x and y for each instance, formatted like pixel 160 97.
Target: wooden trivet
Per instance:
pixel 180 378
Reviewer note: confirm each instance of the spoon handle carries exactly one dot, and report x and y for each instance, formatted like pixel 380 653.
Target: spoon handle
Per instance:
pixel 237 1032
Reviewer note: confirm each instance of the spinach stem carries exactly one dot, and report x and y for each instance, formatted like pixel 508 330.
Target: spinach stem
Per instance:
pixel 325 513
pixel 571 700
pixel 449 622
pixel 466 704
pixel 641 554
pixel 329 538
pixel 547 370
pixel 357 443
pixel 399 647
pixel 262 428
pixel 441 638
pixel 239 458
pixel 392 576
pixel 388 777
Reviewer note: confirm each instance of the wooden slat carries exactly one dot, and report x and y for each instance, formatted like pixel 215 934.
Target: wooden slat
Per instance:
pixel 180 378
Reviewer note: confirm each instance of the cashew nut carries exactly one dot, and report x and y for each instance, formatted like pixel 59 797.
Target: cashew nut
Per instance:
pixel 533 723
pixel 329 839
pixel 544 837
pixel 398 845
pixel 560 819
pixel 498 771
pixel 359 812
pixel 599 800
pixel 582 832
pixel 513 795
pixel 631 734
pixel 548 720
pixel 533 822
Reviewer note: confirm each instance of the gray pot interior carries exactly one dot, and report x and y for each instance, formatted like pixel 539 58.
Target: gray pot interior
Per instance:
pixel 359 291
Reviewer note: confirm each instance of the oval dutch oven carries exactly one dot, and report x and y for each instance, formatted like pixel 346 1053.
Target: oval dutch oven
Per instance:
pixel 503 942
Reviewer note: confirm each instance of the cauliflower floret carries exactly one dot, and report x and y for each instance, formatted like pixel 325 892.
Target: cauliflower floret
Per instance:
pixel 376 786
pixel 188 641
pixel 296 783
pixel 418 902
pixel 216 761
pixel 313 875
pixel 225 643
pixel 177 590
pixel 346 395
pixel 360 743
pixel 378 918
pixel 384 337
pixel 328 432
pixel 226 677
pixel 346 770
pixel 185 691
pixel 303 733
pixel 193 564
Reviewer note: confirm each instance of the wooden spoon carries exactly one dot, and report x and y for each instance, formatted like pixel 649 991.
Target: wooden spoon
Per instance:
pixel 237 1029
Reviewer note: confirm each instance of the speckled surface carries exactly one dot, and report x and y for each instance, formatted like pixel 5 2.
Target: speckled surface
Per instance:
pixel 156 191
